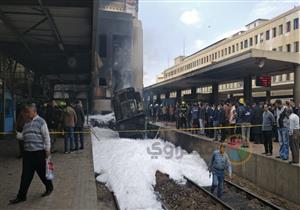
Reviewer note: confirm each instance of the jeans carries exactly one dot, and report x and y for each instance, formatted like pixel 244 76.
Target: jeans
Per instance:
pixel 217 132
pixel 283 138
pixel 78 133
pixel 246 132
pixel 218 181
pixel 69 139
pixel 201 125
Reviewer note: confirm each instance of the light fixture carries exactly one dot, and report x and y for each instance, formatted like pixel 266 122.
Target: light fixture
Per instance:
pixel 260 62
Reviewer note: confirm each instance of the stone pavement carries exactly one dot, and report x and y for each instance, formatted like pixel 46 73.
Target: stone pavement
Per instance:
pixel 74 182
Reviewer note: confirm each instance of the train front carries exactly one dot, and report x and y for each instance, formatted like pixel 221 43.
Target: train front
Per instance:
pixel 130 117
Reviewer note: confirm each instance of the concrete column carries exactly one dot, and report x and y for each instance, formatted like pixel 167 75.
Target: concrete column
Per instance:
pixel 167 95
pixel 297 84
pixel 268 94
pixel 151 99
pixel 158 99
pixel 248 89
pixel 215 93
pixel 194 93
pixel 178 95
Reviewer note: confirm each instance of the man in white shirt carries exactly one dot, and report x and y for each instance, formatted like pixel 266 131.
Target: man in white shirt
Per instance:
pixel 294 133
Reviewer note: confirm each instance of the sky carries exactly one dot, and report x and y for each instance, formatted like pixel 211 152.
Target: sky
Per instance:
pixel 182 27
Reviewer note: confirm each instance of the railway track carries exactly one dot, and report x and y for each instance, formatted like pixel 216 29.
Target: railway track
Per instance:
pixel 174 196
pixel 239 198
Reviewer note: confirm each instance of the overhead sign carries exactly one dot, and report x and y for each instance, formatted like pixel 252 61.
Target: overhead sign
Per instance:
pixel 263 81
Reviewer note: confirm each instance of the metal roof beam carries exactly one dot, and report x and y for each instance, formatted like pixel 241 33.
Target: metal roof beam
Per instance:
pixel 53 26
pixel 35 26
pixel 7 22
pixel 22 13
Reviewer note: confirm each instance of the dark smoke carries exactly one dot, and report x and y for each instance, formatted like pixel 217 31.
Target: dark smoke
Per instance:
pixel 122 66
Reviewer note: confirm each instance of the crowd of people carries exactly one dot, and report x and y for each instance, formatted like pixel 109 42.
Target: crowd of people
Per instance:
pixel 68 118
pixel 261 122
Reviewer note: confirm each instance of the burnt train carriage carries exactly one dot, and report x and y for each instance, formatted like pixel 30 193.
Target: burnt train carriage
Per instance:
pixel 130 117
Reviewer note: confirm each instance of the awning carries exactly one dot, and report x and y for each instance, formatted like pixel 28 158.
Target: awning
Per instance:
pixel 48 36
pixel 232 69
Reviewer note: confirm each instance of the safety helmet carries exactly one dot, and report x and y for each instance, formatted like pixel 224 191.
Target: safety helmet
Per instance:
pixel 242 101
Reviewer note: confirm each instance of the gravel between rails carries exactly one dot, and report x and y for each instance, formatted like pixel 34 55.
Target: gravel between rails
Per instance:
pixel 176 196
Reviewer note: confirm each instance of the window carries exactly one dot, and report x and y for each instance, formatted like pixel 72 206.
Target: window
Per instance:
pixel 215 55
pixel 288 77
pixel 274 32
pixel 280 29
pixel 250 41
pixel 296 23
pixel 296 46
pixel 242 45
pixel 288 26
pixel 261 37
pixel 274 49
pixel 233 50
pixel 225 51
pixel 267 34
pixel 237 46
pixel 280 48
pixel 288 48
pixel 219 54
pixel 256 39
pixel 229 50
pixel 222 53
pixel 246 43
pixel 209 57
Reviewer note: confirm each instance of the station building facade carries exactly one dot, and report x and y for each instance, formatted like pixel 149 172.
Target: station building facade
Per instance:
pixel 281 33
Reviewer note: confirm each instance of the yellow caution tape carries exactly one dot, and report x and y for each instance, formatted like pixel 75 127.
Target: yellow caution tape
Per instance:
pixel 149 130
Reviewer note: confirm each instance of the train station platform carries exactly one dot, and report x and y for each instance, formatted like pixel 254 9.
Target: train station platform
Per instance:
pixel 74 182
pixel 267 172
pixel 253 148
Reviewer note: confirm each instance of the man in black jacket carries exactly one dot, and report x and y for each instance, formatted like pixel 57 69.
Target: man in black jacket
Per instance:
pixel 79 126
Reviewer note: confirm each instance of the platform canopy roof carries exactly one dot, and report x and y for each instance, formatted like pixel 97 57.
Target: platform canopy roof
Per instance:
pixel 48 36
pixel 232 69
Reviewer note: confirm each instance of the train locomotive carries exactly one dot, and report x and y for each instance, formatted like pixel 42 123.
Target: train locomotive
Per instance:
pixel 129 113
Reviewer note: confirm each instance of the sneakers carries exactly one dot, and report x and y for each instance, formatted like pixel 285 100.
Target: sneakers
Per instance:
pixel 17 200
